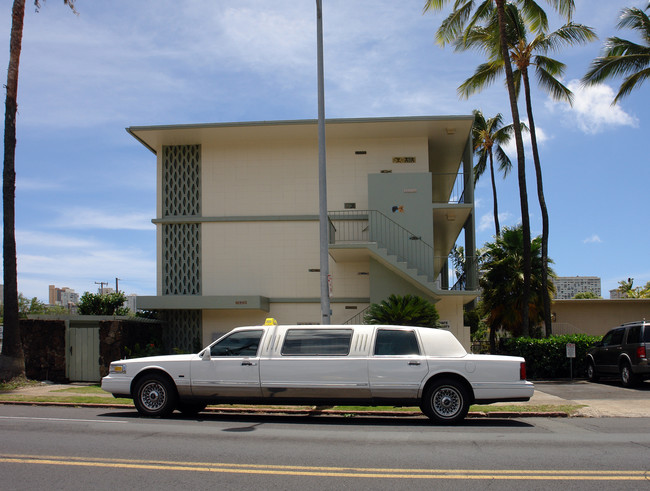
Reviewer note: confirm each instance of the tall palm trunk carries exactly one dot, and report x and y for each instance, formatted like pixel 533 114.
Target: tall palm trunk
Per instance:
pixel 542 205
pixel 12 361
pixel 494 195
pixel 521 166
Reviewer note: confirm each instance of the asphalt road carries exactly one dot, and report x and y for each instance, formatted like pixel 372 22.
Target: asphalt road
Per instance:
pixel 83 448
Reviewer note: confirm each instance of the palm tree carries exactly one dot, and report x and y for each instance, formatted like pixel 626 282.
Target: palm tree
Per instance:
pixel 502 283
pixel 525 53
pixel 12 360
pixel 623 57
pixel 407 310
pixel 450 29
pixel 488 138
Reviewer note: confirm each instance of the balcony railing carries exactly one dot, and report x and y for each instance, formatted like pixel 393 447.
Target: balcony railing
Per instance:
pixel 449 188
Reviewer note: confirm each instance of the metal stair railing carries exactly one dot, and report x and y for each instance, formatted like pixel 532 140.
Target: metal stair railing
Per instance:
pixel 363 226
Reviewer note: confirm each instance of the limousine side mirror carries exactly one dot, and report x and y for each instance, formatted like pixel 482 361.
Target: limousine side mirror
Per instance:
pixel 205 355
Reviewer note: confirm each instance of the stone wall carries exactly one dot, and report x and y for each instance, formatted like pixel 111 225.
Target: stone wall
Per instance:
pixel 127 339
pixel 44 348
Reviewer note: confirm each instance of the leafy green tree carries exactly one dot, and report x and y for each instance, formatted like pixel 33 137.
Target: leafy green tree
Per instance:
pixel 12 359
pixel 623 57
pixel 488 139
pixel 586 296
pixel 467 13
pixel 502 279
pixel 524 53
pixel 97 304
pixel 407 310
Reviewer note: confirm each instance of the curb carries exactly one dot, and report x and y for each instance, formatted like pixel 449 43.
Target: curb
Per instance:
pixel 307 412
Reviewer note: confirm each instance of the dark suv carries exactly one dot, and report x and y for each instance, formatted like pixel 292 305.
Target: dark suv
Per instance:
pixel 623 351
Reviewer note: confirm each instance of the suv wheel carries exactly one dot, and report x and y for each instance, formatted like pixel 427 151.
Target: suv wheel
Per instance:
pixel 627 377
pixel 592 375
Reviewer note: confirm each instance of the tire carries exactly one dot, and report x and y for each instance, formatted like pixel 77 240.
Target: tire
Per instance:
pixel 592 374
pixel 628 379
pixel 446 402
pixel 155 396
pixel 191 408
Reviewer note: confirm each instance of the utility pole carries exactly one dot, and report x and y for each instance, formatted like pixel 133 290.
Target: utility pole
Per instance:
pixel 322 175
pixel 101 286
pixel 117 287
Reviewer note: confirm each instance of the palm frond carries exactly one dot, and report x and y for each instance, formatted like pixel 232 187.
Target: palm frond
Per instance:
pixel 484 75
pixel 534 15
pixel 505 164
pixel 631 82
pixel 556 89
pixel 452 27
pixel 553 67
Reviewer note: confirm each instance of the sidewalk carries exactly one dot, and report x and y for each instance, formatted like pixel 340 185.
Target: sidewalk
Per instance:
pixel 595 397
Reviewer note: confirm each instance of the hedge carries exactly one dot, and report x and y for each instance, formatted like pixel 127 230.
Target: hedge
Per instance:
pixel 546 358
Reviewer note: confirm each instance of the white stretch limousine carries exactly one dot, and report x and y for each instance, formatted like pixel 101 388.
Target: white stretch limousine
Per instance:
pixel 367 365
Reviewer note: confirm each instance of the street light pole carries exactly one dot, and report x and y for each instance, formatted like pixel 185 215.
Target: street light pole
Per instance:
pixel 322 176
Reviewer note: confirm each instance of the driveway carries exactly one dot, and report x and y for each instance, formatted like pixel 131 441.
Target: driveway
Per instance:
pixel 607 398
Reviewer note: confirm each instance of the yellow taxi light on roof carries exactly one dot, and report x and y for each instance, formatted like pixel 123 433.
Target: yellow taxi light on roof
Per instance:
pixel 270 321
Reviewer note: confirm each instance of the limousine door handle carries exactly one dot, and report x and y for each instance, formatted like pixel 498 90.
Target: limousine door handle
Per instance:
pixel 416 363
pixel 248 363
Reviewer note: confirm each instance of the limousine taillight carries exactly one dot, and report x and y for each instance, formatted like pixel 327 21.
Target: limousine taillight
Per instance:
pixel 522 370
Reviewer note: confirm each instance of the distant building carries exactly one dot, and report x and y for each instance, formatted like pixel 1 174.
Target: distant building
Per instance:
pixel 131 302
pixel 616 294
pixel 104 290
pixel 65 297
pixel 567 287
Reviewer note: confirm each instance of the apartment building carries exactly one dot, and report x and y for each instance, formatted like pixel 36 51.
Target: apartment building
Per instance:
pixel 567 287
pixel 238 231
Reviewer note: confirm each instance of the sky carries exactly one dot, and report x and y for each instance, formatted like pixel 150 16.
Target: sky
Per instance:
pixel 85 190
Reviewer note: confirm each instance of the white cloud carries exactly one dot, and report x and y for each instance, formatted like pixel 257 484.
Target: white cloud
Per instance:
pixel 88 218
pixel 593 239
pixel 592 111
pixel 511 147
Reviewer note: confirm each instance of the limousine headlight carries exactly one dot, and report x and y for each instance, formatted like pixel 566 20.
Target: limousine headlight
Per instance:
pixel 121 369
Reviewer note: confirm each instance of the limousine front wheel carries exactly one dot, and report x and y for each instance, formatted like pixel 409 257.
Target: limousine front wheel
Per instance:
pixel 154 396
pixel 446 401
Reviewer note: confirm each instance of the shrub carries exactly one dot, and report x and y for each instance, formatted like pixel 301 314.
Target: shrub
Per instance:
pixel 546 358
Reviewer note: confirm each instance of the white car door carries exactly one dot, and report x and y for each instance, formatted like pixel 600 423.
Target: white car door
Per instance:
pixel 396 367
pixel 232 369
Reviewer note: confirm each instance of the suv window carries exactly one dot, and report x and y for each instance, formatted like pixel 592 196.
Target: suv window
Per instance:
pixel 614 337
pixel 396 343
pixel 317 342
pixel 242 343
pixel 646 334
pixel 634 335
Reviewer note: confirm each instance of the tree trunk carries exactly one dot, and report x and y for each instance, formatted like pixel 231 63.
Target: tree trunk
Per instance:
pixel 12 361
pixel 494 196
pixel 542 205
pixel 521 167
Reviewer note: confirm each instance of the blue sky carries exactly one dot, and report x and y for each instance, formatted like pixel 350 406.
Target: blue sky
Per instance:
pixel 86 189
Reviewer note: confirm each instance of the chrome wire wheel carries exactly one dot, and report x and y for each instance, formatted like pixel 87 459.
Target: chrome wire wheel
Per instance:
pixel 447 402
pixel 153 395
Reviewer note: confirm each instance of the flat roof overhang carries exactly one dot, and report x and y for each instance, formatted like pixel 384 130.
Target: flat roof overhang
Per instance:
pixel 446 134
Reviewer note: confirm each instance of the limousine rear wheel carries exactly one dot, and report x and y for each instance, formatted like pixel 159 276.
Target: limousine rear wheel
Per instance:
pixel 446 401
pixel 154 396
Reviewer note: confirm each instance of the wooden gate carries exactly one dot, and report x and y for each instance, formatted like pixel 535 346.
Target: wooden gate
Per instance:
pixel 82 345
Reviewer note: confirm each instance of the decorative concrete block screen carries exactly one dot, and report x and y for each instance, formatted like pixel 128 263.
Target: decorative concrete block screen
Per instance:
pixel 181 197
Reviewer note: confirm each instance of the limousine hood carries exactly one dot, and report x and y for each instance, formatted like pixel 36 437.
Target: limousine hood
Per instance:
pixel 155 360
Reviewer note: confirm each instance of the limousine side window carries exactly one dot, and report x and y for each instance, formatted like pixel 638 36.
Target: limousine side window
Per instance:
pixel 242 343
pixel 317 342
pixel 396 343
